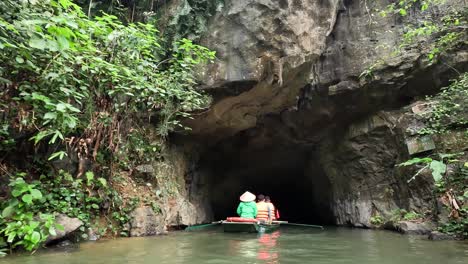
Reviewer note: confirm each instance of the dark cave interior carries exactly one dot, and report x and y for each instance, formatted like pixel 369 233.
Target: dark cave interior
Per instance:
pixel 288 174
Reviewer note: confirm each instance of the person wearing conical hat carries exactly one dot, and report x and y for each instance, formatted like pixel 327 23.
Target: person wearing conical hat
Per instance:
pixel 247 207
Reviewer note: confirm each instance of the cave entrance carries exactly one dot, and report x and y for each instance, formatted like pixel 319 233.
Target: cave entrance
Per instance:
pixel 288 174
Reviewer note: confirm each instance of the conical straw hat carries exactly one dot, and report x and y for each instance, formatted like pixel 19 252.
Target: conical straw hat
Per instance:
pixel 247 197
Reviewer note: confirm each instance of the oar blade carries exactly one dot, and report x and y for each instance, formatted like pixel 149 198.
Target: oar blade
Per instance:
pixel 303 225
pixel 203 226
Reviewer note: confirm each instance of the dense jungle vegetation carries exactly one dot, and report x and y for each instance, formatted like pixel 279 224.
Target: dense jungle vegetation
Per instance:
pixel 83 85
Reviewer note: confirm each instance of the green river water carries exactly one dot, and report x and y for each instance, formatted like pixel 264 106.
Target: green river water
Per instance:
pixel 288 245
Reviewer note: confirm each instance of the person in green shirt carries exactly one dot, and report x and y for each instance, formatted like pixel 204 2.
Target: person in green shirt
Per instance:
pixel 247 207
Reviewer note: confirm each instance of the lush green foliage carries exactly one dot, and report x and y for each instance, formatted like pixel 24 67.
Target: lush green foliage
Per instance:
pixel 377 220
pixel 404 215
pixel 84 87
pixel 411 216
pixel 28 216
pixel 79 198
pixel 22 223
pixel 66 74
pixel 456 227
pixel 449 109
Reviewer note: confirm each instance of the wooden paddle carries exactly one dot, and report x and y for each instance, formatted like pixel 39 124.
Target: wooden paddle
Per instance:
pixel 295 224
pixel 197 227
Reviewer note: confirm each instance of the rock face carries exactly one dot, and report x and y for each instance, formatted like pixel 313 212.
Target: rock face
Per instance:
pixel 185 202
pixel 436 235
pixel 304 59
pixel 145 222
pixel 69 226
pixel 176 196
pixel 255 38
pixel 361 169
pixel 412 228
pixel 181 212
pixel 346 178
pixel 266 50
pixel 297 101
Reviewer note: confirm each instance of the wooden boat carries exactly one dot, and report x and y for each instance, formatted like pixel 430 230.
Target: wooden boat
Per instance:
pixel 249 227
pixel 246 225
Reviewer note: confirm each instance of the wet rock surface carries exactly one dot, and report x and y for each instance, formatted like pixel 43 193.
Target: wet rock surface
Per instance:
pixel 64 244
pixel 414 228
pixel 145 222
pixel 92 235
pixel 69 226
pixel 436 235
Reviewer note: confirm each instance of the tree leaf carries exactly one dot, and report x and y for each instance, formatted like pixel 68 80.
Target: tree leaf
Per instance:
pixel 41 135
pixel 438 168
pixel 33 224
pixel 59 154
pixel 103 181
pixel 35 237
pixel 8 211
pixel 36 194
pixel 17 192
pixel 11 237
pixel 61 107
pixel 52 45
pixel 50 115
pixel 52 231
pixel 27 198
pixel 58 134
pixel 63 43
pixel 424 6
pixel 37 43
pixel 89 177
pixel 73 109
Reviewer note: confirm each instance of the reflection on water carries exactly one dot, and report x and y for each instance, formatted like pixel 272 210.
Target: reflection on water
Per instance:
pixel 294 245
pixel 268 252
pixel 264 248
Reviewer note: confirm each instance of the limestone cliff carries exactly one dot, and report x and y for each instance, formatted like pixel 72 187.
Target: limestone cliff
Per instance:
pixel 290 99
